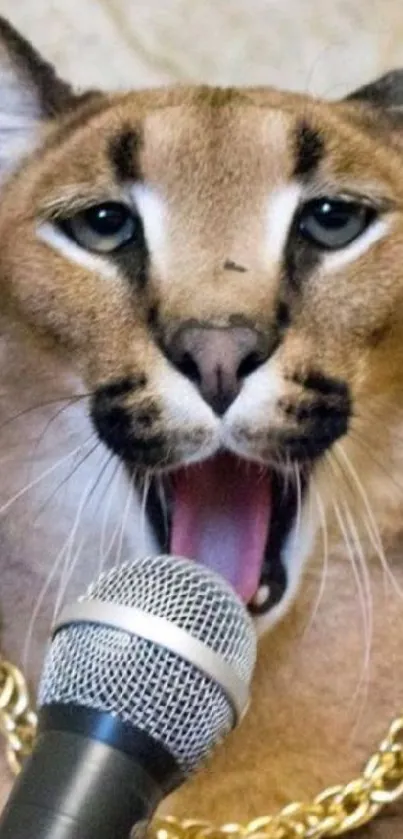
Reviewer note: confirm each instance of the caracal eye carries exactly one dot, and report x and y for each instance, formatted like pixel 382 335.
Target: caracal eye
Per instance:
pixel 332 223
pixel 103 228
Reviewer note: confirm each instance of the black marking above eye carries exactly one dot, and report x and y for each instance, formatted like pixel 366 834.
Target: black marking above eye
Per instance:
pixel 309 150
pixel 103 228
pixel 124 152
pixel 333 223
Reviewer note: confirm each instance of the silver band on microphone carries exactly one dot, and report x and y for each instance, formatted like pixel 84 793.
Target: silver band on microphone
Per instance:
pixel 165 634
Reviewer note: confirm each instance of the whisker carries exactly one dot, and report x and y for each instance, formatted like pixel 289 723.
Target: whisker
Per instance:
pixel 39 440
pixel 369 520
pixel 298 515
pixel 126 509
pixel 6 506
pixel 38 406
pixel 325 554
pixel 369 450
pixel 37 608
pixel 143 511
pixel 68 477
pixel 112 459
pixel 103 552
pixel 365 581
pixel 366 622
pixel 70 562
pixel 115 534
pixel 100 500
pixel 361 419
pixel 286 475
pixel 367 589
pixel 48 425
pixel 59 560
pixel 334 464
pixel 164 505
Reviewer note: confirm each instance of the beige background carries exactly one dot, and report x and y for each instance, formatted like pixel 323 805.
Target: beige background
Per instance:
pixel 322 46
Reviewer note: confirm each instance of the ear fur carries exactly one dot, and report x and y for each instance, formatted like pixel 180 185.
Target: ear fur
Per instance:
pixel 385 93
pixel 377 107
pixel 30 93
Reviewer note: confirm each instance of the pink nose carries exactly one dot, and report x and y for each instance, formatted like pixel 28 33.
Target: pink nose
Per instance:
pixel 217 360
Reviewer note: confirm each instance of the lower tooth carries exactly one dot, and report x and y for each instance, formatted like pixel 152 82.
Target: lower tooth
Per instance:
pixel 261 596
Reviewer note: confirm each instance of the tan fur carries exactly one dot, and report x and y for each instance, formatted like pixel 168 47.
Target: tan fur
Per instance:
pixel 215 157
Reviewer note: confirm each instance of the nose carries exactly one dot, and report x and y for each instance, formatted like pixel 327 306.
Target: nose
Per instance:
pixel 217 360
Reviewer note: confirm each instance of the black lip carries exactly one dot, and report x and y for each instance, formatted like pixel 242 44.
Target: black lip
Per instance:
pixel 285 502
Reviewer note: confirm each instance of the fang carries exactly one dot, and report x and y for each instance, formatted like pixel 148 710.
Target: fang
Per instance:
pixel 261 597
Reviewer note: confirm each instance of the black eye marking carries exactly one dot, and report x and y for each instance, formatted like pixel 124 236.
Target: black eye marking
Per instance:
pixel 300 260
pixel 229 265
pixel 124 153
pixel 309 150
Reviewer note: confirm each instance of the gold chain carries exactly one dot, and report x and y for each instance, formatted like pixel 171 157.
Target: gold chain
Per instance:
pixel 335 811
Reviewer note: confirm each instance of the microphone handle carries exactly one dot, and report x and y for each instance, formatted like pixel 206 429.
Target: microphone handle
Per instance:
pixel 75 787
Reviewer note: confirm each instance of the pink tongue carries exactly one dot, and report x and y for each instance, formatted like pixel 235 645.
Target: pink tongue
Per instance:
pixel 221 517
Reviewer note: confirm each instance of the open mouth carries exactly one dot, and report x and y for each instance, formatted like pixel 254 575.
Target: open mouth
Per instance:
pixel 233 516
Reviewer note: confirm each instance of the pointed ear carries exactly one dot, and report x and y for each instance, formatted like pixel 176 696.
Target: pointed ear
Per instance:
pixel 385 93
pixel 379 108
pixel 30 92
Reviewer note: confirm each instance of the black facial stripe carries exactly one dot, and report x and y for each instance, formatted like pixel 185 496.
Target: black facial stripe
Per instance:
pixel 300 257
pixel 133 260
pixel 321 421
pixel 309 150
pixel 300 260
pixel 127 433
pixel 317 411
pixel 116 427
pixel 124 152
pixel 121 387
pixel 311 446
pixel 283 316
pixel 326 385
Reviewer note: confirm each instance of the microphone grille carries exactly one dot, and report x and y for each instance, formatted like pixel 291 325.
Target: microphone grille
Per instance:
pixel 188 595
pixel 144 683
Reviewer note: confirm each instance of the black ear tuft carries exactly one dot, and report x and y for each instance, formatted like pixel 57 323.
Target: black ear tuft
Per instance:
pixel 385 93
pixel 30 93
pixel 18 57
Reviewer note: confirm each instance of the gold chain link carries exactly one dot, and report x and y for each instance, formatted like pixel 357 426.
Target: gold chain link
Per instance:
pixel 335 811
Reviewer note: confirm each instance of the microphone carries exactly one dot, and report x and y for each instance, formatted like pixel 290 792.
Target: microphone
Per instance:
pixel 145 674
